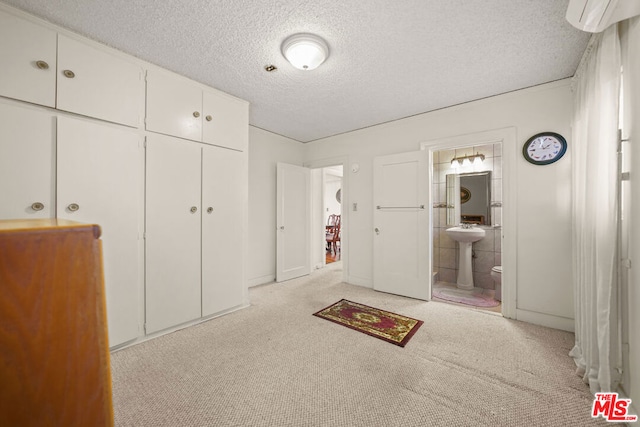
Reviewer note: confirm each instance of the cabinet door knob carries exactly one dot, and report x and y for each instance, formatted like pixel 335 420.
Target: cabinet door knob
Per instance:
pixel 69 74
pixel 37 206
pixel 209 209
pixel 209 118
pixel 73 207
pixel 196 114
pixel 42 65
pixel 194 209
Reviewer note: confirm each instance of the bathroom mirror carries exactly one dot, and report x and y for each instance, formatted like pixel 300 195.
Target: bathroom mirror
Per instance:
pixel 469 198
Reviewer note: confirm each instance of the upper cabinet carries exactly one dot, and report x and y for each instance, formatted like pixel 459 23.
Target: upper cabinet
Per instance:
pixel 178 107
pixel 42 67
pixel 94 83
pixel 28 53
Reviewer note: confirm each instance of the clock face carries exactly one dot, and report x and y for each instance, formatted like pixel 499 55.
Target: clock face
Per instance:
pixel 544 148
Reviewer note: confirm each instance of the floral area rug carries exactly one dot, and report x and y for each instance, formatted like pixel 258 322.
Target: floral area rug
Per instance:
pixel 387 326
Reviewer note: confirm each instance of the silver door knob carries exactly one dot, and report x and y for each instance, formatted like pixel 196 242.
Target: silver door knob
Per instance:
pixel 194 209
pixel 37 206
pixel 42 65
pixel 209 118
pixel 209 209
pixel 73 207
pixel 196 114
pixel 69 74
pixel 377 230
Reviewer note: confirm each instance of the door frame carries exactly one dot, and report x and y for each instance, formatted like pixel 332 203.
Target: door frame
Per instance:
pixel 507 137
pixel 345 205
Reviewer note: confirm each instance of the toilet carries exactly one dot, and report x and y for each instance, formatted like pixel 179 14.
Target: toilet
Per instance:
pixel 496 274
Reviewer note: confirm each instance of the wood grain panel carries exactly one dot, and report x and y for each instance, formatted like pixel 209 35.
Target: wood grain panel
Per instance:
pixel 54 360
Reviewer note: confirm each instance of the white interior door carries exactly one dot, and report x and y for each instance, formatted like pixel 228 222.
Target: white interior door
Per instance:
pixel 222 214
pixel 402 257
pixel 173 282
pixel 100 173
pixel 293 216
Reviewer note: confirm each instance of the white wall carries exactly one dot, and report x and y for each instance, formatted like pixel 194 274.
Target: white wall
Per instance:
pixel 543 202
pixel 266 149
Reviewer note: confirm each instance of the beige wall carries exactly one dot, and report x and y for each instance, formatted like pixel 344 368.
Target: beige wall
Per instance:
pixel 543 193
pixel 266 149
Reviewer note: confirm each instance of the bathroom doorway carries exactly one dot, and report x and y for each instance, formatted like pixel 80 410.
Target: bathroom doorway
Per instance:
pixel 492 154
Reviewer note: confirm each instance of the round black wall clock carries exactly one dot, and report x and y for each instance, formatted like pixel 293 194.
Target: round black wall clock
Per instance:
pixel 544 148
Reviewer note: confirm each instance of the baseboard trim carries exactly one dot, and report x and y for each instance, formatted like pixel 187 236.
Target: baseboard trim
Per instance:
pixel 261 280
pixel 176 328
pixel 548 320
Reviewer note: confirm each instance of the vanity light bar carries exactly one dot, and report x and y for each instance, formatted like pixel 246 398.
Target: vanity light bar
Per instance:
pixel 457 161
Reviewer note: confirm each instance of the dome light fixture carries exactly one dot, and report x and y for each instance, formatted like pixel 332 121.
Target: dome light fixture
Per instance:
pixel 305 51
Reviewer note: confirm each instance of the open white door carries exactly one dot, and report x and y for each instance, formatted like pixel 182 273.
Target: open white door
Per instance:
pixel 293 216
pixel 401 252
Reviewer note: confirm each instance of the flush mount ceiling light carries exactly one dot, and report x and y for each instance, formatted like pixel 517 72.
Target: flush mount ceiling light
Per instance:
pixel 305 51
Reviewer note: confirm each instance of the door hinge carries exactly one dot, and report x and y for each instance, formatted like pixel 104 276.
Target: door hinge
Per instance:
pixel 625 176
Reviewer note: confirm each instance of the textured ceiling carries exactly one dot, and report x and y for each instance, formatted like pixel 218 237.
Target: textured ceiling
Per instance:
pixel 389 59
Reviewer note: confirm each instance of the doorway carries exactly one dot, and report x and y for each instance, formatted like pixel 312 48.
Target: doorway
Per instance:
pixel 468 192
pixel 506 201
pixel 332 212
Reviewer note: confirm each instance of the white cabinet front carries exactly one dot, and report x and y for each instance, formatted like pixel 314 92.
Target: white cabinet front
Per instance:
pixel 226 121
pixel 100 173
pixel 27 163
pixel 173 107
pixel 28 53
pixel 173 232
pixel 222 246
pixel 95 83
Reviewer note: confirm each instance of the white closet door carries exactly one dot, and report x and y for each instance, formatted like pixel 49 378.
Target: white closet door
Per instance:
pixel 27 163
pixel 223 173
pixel 22 45
pixel 401 252
pixel 100 172
pixel 225 121
pixel 173 282
pixel 102 86
pixel 174 106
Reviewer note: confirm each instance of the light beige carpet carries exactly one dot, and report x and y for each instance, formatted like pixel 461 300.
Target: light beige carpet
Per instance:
pixel 274 364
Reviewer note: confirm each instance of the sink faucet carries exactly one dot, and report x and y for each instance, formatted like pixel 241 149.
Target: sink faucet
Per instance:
pixel 467 225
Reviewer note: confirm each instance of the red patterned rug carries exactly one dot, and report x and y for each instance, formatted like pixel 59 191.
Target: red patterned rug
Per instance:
pixel 387 326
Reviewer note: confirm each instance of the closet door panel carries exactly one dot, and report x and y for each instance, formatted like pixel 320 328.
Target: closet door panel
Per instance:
pixel 174 106
pixel 27 162
pixel 226 121
pixel 172 232
pixel 102 85
pixel 100 172
pixel 222 240
pixel 22 45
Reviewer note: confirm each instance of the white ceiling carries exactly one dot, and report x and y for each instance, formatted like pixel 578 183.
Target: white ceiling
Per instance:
pixel 389 59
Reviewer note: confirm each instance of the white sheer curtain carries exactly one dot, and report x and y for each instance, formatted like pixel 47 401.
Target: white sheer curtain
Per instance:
pixel 595 189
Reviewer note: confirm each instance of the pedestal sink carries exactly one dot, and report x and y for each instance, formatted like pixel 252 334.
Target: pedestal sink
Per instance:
pixel 465 236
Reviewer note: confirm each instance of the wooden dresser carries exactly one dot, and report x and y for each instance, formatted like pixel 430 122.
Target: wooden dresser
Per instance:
pixel 54 352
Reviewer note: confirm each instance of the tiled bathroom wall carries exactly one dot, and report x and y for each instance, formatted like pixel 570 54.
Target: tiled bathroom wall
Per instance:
pixel 486 252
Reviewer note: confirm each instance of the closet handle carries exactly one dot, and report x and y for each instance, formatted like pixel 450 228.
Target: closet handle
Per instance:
pixel 69 74
pixel 196 114
pixel 42 65
pixel 209 209
pixel 37 206
pixel 73 207
pixel 194 209
pixel 209 118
